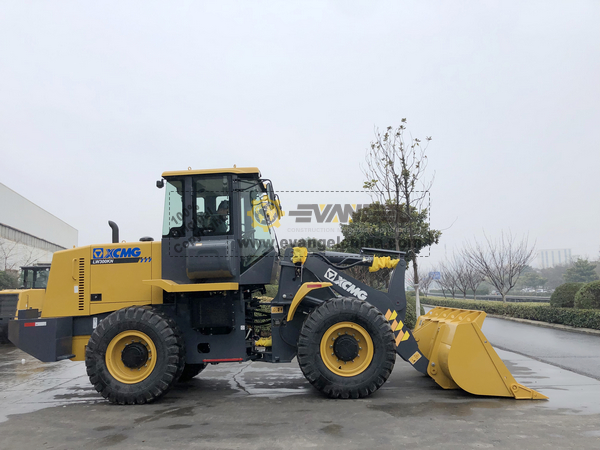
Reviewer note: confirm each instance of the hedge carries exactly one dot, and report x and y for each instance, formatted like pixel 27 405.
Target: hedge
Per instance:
pixel 580 318
pixel 411 308
pixel 564 295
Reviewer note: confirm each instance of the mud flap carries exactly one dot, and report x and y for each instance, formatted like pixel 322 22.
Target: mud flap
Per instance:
pixel 460 356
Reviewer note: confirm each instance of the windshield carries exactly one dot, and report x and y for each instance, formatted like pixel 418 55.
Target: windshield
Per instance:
pixel 41 278
pixel 258 217
pixel 34 278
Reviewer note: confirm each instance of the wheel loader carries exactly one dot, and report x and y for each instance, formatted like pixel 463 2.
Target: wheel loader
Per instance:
pixel 145 315
pixel 31 277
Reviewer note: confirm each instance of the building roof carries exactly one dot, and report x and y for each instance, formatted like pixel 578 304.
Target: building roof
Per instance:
pixel 21 214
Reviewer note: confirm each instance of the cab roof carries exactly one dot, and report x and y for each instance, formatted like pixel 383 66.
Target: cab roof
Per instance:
pixel 236 170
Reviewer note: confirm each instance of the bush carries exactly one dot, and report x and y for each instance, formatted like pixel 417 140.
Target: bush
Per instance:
pixel 580 318
pixel 564 295
pixel 271 290
pixel 411 306
pixel 588 297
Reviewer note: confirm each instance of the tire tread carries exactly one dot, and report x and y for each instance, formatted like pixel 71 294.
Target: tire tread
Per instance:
pixel 153 387
pixel 309 345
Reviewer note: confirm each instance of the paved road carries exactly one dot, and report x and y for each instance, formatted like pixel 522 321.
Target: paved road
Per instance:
pixel 574 351
pixel 570 350
pixel 265 406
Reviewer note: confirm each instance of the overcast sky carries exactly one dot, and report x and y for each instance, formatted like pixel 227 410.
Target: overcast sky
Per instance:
pixel 97 99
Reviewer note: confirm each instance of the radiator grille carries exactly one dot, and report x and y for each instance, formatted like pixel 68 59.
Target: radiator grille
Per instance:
pixel 81 283
pixel 8 305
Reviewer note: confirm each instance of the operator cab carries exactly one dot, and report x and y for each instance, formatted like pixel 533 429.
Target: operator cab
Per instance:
pixel 34 277
pixel 217 226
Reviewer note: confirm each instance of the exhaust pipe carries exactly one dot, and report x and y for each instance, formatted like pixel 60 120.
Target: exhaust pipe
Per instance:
pixel 115 231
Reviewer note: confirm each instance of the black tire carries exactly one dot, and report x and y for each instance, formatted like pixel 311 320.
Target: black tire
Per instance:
pixel 330 315
pixel 190 371
pixel 165 344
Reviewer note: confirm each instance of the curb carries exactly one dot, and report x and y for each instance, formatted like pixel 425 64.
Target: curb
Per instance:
pixel 538 323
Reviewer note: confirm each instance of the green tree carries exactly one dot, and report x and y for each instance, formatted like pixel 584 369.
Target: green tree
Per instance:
pixel 555 276
pixel 582 271
pixel 370 228
pixel 531 280
pixel 8 280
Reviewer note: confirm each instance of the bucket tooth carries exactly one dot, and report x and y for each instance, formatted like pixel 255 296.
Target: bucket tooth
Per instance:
pixel 460 356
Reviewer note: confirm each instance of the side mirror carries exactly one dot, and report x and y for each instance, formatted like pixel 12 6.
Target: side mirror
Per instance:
pixel 160 184
pixel 270 192
pixel 272 196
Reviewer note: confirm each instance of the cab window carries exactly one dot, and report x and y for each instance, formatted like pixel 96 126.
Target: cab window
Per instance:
pixel 211 203
pixel 173 214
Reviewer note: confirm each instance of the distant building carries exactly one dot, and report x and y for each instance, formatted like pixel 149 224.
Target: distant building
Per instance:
pixel 28 233
pixel 556 257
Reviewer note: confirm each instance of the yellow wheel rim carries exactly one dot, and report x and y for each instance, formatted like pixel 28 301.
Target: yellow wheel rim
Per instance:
pixel 114 357
pixel 364 353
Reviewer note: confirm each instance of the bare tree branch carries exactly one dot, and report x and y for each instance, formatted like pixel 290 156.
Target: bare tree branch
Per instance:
pixel 14 254
pixel 500 261
pixel 447 279
pixel 424 280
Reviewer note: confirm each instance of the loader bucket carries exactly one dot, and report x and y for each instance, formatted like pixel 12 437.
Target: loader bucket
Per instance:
pixel 460 355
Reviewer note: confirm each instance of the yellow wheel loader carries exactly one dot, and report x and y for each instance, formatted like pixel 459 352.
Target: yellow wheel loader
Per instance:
pixel 31 277
pixel 145 315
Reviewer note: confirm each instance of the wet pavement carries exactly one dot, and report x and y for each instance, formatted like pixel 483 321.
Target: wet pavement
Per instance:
pixel 577 352
pixel 264 406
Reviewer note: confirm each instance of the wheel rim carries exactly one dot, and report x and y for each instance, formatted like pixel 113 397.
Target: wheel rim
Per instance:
pixel 346 349
pixel 131 357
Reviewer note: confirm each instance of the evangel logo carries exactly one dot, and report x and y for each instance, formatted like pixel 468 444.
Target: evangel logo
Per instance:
pixel 346 285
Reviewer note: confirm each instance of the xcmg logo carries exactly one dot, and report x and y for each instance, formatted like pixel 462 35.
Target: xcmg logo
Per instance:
pixel 132 252
pixel 346 285
pixel 333 213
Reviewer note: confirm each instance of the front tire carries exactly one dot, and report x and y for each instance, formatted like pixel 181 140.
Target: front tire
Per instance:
pixel 134 356
pixel 346 348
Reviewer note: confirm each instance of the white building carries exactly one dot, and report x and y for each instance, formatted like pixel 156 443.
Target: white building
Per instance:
pixel 556 257
pixel 28 233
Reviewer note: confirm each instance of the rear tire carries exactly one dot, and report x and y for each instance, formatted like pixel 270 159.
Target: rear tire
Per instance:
pixel 190 371
pixel 346 348
pixel 134 356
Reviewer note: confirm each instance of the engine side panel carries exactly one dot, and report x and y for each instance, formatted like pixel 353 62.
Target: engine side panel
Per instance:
pixel 101 278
